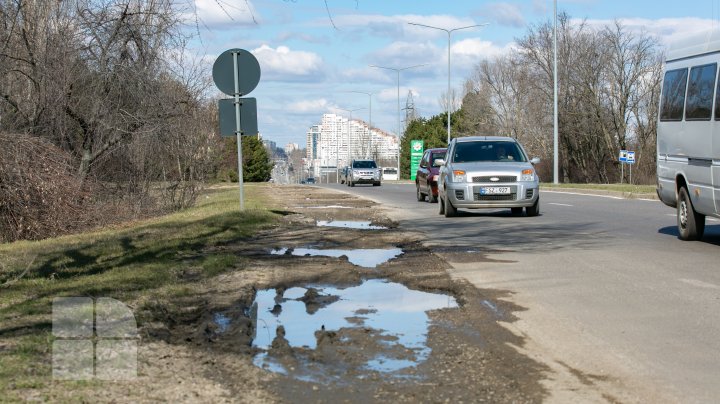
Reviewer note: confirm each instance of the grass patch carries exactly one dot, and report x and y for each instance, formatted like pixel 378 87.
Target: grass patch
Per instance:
pixel 127 262
pixel 635 189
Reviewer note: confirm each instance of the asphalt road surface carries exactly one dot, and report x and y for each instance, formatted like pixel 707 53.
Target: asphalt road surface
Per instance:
pixel 608 287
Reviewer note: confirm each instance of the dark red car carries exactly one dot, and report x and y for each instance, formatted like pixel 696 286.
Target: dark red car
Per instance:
pixel 427 175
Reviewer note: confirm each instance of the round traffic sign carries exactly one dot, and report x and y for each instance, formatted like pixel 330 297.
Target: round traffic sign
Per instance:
pixel 248 72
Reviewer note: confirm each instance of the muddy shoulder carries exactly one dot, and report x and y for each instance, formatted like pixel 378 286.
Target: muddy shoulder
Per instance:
pixel 333 303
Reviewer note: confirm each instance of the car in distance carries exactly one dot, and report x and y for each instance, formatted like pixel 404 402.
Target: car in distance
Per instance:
pixel 488 172
pixel 364 172
pixel 390 173
pixel 310 180
pixel 427 174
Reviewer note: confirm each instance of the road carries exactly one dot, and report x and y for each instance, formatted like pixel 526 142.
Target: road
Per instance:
pixel 609 288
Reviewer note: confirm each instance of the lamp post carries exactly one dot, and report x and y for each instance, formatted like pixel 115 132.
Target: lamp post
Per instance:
pixel 398 70
pixel 555 98
pixel 448 31
pixel 369 113
pixel 337 152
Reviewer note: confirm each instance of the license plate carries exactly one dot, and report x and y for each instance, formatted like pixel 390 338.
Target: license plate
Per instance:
pixel 494 190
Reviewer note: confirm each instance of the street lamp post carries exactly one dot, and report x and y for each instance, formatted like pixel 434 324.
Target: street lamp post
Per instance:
pixel 369 113
pixel 337 153
pixel 555 98
pixel 398 70
pixel 448 31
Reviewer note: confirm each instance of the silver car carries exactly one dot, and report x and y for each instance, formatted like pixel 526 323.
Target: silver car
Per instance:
pixel 488 172
pixel 364 172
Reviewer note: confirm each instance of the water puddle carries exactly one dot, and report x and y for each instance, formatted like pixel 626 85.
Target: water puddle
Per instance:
pixel 349 225
pixel 222 321
pixel 366 258
pixel 377 326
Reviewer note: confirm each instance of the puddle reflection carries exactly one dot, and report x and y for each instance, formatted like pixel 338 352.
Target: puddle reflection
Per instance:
pixel 349 224
pixel 367 258
pixel 397 314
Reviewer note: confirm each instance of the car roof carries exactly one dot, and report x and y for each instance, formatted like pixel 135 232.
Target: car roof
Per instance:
pixel 437 149
pixel 485 139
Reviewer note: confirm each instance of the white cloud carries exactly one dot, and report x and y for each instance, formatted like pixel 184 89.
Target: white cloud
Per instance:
pixel 396 27
pixel 504 14
pixel 391 94
pixel 317 106
pixel 478 49
pixel 283 64
pixel 667 30
pixel 223 13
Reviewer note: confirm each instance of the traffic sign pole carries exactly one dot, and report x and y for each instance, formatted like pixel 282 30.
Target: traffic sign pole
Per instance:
pixel 238 129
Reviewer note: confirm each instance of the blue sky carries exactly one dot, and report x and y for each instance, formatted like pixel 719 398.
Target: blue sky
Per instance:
pixel 308 66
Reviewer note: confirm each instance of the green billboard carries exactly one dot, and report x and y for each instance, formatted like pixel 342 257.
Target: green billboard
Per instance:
pixel 416 153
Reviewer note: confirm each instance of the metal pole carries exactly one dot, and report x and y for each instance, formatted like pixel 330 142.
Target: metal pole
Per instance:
pixel 448 92
pixel 556 174
pixel 238 129
pixel 398 118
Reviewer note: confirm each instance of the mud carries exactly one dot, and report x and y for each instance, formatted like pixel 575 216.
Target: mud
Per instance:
pixel 219 345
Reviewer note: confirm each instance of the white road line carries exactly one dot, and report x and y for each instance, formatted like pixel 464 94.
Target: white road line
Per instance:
pixel 558 204
pixel 699 283
pixel 577 193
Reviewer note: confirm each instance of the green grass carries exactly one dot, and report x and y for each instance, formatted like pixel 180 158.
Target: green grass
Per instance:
pixel 134 261
pixel 635 189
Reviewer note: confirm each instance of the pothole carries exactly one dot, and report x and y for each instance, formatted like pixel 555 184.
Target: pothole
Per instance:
pixel 365 257
pixel 362 225
pixel 320 332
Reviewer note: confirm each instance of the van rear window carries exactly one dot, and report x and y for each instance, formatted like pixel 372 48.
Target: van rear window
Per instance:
pixel 673 95
pixel 700 92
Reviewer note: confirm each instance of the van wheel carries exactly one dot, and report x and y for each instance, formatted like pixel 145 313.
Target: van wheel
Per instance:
pixel 352 183
pixel 450 210
pixel 516 211
pixel 533 210
pixel 442 206
pixel 691 225
pixel 420 195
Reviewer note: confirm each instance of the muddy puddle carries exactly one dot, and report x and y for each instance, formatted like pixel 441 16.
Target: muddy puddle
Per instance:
pixel 316 333
pixel 366 257
pixel 348 224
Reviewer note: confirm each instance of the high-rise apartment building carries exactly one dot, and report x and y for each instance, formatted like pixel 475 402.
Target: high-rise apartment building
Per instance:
pixel 338 140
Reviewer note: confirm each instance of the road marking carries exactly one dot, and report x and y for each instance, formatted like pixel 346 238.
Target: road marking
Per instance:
pixel 577 193
pixel 699 283
pixel 558 204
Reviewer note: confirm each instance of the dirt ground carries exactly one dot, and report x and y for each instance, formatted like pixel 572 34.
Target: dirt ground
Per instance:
pixel 200 348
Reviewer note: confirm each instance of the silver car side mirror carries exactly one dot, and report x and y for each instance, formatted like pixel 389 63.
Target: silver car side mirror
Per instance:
pixel 535 160
pixel 440 162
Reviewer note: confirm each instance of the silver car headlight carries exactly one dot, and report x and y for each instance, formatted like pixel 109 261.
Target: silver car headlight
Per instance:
pixel 528 175
pixel 458 176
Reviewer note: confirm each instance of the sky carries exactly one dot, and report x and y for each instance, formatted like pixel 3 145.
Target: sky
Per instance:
pixel 313 57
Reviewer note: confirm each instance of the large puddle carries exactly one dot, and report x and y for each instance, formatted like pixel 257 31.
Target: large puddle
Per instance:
pixel 380 326
pixel 349 225
pixel 367 257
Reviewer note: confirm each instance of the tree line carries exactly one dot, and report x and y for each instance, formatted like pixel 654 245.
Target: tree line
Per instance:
pixel 608 90
pixel 103 116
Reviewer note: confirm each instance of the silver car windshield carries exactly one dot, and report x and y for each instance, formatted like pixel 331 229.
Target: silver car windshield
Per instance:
pixel 364 164
pixel 470 152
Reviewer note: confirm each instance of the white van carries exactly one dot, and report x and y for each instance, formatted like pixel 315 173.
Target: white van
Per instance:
pixel 688 133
